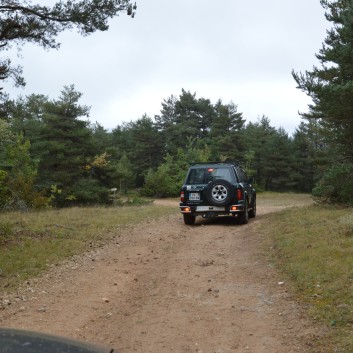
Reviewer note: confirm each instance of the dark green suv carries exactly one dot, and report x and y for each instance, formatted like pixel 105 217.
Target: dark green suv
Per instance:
pixel 217 189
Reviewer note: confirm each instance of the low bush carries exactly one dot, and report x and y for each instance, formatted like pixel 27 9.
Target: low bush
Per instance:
pixel 336 186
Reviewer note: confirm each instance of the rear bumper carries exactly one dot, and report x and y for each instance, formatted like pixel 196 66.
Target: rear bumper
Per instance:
pixel 203 210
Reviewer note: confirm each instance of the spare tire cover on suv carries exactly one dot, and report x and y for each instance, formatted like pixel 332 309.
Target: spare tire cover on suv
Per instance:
pixel 219 192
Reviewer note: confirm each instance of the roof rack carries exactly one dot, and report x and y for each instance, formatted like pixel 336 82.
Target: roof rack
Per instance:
pixel 205 163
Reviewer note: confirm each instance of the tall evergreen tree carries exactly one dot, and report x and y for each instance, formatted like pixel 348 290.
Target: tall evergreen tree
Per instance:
pixel 225 134
pixel 102 139
pixel 227 119
pixel 305 159
pixel 66 143
pixel 125 174
pixel 272 156
pixel 193 116
pixel 121 140
pixel 147 151
pixel 256 137
pixel 312 153
pixel 25 117
pixel 166 121
pixel 280 170
pixel 183 119
pixel 331 85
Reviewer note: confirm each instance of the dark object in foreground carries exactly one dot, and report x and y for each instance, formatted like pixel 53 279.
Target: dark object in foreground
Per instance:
pixel 18 341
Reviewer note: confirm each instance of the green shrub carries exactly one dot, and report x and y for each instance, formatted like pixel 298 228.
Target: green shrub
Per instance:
pixel 89 191
pixel 336 186
pixel 160 183
pixel 167 180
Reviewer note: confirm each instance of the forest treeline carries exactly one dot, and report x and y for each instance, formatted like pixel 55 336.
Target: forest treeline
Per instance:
pixel 51 154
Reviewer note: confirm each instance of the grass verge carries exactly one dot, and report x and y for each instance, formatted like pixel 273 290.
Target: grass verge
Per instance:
pixel 30 242
pixel 313 246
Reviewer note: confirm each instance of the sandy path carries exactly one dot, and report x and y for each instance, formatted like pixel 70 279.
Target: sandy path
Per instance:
pixel 166 287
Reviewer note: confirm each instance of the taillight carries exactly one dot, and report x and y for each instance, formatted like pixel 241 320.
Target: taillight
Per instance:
pixel 239 194
pixel 182 196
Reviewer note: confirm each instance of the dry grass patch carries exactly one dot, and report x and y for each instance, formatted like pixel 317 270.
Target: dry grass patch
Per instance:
pixel 313 246
pixel 30 242
pixel 276 199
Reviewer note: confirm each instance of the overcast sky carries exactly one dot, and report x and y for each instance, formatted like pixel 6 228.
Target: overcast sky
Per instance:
pixel 236 50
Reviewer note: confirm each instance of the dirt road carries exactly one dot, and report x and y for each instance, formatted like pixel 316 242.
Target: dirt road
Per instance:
pixel 166 287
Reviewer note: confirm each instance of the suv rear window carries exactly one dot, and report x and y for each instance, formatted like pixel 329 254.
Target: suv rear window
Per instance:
pixel 207 174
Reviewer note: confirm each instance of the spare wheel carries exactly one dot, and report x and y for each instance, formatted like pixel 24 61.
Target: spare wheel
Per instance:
pixel 219 192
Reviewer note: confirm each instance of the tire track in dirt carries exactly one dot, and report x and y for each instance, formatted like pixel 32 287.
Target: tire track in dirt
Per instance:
pixel 166 287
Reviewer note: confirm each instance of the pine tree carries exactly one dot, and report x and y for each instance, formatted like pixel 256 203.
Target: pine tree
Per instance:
pixel 147 151
pixel 257 137
pixel 225 134
pixel 312 154
pixel 183 119
pixel 66 144
pixel 25 117
pixel 331 85
pixel 17 172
